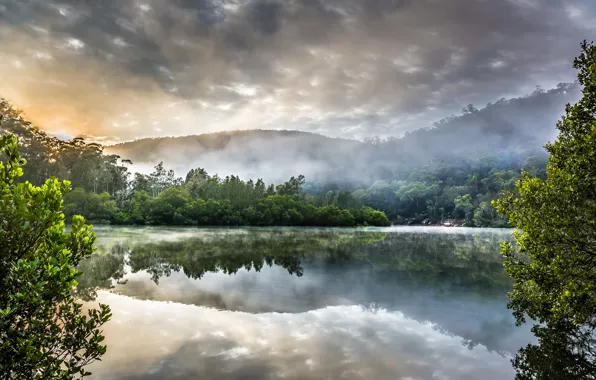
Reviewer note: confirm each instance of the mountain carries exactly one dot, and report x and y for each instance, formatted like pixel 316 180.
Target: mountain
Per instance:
pixel 512 126
pixel 516 127
pixel 269 154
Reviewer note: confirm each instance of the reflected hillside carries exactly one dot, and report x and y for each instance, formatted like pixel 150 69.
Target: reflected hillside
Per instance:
pixel 451 278
pixel 453 262
pixel 196 252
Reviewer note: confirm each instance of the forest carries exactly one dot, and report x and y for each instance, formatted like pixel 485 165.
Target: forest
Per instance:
pixel 510 129
pixel 458 192
pixel 103 191
pixel 141 69
pixel 454 192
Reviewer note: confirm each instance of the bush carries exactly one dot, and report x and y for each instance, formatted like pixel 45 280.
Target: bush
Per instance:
pixel 43 333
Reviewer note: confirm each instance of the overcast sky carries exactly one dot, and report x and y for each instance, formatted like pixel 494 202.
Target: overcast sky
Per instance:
pixel 122 69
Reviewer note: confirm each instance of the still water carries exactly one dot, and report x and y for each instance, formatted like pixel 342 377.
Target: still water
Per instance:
pixel 289 303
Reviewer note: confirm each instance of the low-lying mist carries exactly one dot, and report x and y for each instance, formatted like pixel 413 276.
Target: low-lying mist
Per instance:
pixel 515 127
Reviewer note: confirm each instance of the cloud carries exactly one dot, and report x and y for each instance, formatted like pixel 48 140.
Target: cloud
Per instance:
pixel 517 126
pixel 448 306
pixel 153 340
pixel 352 68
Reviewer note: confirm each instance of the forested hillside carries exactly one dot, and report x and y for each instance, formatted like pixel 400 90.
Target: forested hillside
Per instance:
pixel 461 191
pixel 449 171
pixel 512 129
pixel 268 154
pixel 445 174
pixel 104 192
pixel 516 127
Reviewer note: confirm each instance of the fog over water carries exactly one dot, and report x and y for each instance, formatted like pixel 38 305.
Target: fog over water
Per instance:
pixel 392 303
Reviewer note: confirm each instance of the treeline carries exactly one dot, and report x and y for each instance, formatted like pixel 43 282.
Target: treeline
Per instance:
pixel 84 164
pixel 457 193
pixel 462 192
pixel 104 192
pixel 201 199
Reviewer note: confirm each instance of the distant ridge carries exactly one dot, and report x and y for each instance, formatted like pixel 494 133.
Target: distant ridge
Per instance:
pixel 270 154
pixel 516 127
pixel 288 132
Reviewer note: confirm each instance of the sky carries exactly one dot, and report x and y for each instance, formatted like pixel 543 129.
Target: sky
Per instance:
pixel 118 70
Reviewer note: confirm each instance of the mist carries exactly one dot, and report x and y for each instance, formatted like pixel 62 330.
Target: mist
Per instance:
pixel 255 170
pixel 507 127
pixel 339 318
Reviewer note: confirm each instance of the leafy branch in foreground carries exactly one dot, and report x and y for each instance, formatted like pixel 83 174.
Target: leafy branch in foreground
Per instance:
pixel 43 331
pixel 554 265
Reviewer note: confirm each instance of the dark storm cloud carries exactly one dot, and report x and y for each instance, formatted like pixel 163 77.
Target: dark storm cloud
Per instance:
pixel 265 16
pixel 129 67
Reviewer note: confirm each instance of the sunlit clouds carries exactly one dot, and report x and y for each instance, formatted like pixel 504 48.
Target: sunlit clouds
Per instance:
pixel 351 68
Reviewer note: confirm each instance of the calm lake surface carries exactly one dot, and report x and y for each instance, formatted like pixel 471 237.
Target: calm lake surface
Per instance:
pixel 290 303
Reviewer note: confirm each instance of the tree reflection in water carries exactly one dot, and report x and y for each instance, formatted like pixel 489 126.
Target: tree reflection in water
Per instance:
pixel 445 262
pixel 453 279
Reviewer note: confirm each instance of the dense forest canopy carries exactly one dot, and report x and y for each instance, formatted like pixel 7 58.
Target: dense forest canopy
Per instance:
pixel 83 164
pixel 121 71
pixel 450 171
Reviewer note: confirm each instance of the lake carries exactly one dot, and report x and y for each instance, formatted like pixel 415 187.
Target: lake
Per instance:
pixel 295 303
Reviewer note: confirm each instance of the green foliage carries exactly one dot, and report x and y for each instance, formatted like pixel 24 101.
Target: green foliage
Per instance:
pixel 210 201
pixel 411 196
pixel 554 263
pixel 366 216
pixel 486 215
pixel 43 332
pixel 103 192
pixel 291 188
pixel 83 164
pixel 94 207
pixel 460 191
pixel 463 207
pixel 334 216
pixel 280 210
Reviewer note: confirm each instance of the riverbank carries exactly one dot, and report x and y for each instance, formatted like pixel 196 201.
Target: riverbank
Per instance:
pixel 444 223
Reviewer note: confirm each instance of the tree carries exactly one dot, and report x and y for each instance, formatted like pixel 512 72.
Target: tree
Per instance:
pixel 168 207
pixel 485 215
pixel 84 164
pixel 141 182
pixel 554 263
pixel 158 179
pixel 43 332
pixel 94 207
pixel 463 207
pixel 293 187
pixel 140 207
pixel 334 216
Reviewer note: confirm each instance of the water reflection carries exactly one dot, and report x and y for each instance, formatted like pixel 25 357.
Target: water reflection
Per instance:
pixel 442 262
pixel 323 303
